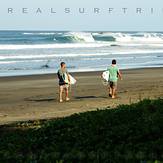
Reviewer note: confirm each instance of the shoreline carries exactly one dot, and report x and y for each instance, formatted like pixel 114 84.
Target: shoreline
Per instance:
pixel 48 75
pixel 36 96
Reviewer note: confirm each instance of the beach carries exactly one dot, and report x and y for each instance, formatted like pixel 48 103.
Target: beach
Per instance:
pixel 36 96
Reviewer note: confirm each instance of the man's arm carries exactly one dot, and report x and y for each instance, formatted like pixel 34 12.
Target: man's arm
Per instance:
pixel 119 75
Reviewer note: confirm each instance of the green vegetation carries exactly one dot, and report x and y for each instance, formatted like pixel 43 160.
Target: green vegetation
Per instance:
pixel 128 133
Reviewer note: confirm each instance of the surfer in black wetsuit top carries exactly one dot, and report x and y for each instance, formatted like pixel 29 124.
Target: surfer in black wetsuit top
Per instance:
pixel 63 77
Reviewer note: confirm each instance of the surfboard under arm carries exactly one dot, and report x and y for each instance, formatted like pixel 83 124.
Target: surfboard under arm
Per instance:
pixel 105 75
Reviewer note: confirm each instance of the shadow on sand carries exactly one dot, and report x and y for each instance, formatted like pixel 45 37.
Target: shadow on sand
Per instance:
pixel 41 99
pixel 88 97
pixel 49 99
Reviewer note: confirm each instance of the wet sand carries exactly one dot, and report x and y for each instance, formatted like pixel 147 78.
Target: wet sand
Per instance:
pixel 36 97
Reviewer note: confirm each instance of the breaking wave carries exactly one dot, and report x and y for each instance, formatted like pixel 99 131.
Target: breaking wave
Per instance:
pixel 29 52
pixel 79 37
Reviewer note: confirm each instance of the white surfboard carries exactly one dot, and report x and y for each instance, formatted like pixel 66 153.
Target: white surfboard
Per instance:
pixel 71 80
pixel 105 75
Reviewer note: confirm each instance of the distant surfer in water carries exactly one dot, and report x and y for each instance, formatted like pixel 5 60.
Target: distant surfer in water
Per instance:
pixel 64 81
pixel 114 74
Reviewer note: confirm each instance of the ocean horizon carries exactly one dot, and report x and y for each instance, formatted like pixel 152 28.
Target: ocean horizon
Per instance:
pixel 40 52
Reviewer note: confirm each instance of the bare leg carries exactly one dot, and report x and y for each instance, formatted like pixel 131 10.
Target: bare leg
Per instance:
pixel 110 91
pixel 60 93
pixel 113 92
pixel 67 98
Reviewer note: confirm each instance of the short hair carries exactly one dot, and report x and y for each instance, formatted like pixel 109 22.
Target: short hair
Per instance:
pixel 62 63
pixel 114 62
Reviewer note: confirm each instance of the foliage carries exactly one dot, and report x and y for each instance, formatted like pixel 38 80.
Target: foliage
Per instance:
pixel 128 133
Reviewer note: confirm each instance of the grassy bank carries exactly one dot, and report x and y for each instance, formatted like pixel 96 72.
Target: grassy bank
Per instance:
pixel 128 133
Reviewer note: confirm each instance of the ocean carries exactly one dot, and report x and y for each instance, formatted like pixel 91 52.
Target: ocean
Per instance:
pixel 40 52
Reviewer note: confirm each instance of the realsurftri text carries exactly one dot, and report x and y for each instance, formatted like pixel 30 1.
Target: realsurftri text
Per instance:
pixel 82 10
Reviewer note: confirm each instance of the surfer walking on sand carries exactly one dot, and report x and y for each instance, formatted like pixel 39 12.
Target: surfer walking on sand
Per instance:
pixel 114 74
pixel 64 80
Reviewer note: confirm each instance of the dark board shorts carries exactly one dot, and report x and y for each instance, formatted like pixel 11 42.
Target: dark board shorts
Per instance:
pixel 113 84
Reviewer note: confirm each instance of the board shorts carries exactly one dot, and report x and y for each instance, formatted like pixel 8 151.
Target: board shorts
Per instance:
pixel 113 84
pixel 64 86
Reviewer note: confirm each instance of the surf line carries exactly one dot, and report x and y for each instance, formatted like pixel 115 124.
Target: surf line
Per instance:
pixel 82 10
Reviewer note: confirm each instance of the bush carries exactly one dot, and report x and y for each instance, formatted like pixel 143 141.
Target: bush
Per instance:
pixel 128 133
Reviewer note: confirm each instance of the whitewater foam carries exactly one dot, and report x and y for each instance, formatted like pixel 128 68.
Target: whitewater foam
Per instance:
pixel 50 46
pixel 41 52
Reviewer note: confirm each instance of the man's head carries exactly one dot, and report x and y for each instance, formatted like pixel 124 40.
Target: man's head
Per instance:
pixel 63 65
pixel 114 62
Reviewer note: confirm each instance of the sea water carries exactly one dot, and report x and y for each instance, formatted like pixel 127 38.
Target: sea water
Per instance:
pixel 40 52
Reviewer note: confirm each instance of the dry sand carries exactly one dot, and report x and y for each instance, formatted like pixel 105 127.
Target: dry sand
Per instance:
pixel 36 97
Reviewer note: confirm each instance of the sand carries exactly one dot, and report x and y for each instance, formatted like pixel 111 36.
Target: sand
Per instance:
pixel 36 97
